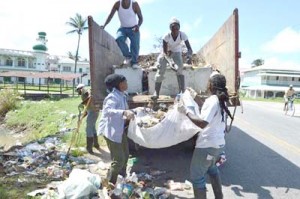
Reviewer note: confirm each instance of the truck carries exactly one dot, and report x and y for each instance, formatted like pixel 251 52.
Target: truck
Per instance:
pixel 220 53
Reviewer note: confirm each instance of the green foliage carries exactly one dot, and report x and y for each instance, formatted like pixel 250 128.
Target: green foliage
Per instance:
pixel 257 62
pixel 8 100
pixel 3 193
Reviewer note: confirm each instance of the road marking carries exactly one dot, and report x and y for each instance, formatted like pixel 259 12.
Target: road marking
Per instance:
pixel 268 135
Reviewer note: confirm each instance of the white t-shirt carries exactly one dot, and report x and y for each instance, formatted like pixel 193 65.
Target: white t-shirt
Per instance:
pixel 127 16
pixel 175 46
pixel 213 134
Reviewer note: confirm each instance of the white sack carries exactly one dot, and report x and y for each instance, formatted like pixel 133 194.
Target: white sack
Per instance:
pixel 80 184
pixel 173 129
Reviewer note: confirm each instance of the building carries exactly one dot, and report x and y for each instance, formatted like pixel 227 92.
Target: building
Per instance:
pixel 269 82
pixel 38 67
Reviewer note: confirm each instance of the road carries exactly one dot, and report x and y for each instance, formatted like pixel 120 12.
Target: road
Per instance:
pixel 263 156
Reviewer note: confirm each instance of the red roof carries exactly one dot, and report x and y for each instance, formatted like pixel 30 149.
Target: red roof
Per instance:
pixel 55 75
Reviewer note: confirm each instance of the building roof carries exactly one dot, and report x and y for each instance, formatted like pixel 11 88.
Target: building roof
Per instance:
pixel 64 76
pixel 270 88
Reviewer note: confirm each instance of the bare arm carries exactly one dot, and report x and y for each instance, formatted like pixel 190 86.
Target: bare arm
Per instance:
pixel 165 47
pixel 196 120
pixel 112 13
pixel 188 46
pixel 138 11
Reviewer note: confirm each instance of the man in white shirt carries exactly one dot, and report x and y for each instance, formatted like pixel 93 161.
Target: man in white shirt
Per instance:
pixel 172 51
pixel 127 11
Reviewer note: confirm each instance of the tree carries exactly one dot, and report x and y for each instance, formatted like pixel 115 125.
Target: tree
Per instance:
pixel 79 24
pixel 257 62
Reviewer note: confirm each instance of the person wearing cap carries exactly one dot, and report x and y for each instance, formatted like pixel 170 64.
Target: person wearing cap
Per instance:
pixel 92 116
pixel 172 50
pixel 115 117
pixel 128 11
pixel 289 93
pixel 210 139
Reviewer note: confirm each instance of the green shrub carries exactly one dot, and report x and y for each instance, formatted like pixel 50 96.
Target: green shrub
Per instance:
pixel 8 100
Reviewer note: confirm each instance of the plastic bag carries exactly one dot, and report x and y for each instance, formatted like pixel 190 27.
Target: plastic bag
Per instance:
pixel 80 184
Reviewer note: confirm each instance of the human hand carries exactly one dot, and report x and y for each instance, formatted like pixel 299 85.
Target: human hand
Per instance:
pixel 127 114
pixel 136 28
pixel 80 107
pixel 182 109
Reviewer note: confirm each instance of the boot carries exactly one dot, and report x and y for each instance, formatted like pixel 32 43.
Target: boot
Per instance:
pixel 199 193
pixel 155 96
pixel 181 83
pixel 215 181
pixel 89 144
pixel 96 144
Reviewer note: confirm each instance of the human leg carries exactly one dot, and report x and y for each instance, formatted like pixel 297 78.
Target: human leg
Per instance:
pixel 125 148
pixel 202 160
pixel 118 158
pixel 177 57
pixel 121 41
pixel 134 38
pixel 215 178
pixel 159 76
pixel 91 133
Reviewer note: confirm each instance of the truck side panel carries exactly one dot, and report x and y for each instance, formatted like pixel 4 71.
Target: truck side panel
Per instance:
pixel 222 52
pixel 104 53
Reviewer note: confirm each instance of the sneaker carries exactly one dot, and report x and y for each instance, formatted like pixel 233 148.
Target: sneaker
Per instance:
pixel 127 61
pixel 135 66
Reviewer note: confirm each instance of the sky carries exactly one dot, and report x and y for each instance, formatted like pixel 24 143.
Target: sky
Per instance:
pixel 268 29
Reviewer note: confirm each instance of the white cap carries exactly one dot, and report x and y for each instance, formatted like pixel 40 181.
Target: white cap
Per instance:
pixel 214 73
pixel 80 86
pixel 291 86
pixel 174 20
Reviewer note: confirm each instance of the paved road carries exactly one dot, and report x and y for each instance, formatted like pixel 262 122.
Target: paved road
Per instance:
pixel 263 152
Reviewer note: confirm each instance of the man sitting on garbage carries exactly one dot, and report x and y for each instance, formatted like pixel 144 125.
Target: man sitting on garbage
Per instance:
pixel 92 115
pixel 172 52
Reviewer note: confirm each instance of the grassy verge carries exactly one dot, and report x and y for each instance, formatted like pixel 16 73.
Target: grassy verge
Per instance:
pixel 38 120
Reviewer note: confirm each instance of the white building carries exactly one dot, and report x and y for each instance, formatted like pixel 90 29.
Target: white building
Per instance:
pixel 269 82
pixel 39 61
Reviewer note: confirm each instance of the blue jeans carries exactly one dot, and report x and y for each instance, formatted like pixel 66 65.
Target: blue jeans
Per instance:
pixel 203 162
pixel 91 120
pixel 134 37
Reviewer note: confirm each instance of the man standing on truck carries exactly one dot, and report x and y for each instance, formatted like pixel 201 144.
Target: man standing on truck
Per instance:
pixel 289 93
pixel 92 115
pixel 128 10
pixel 210 141
pixel 172 52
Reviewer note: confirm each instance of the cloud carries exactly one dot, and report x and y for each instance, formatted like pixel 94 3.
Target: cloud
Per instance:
pixel 275 62
pixel 286 41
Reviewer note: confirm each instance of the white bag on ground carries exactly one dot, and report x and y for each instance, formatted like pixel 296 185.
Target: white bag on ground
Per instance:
pixel 80 184
pixel 173 129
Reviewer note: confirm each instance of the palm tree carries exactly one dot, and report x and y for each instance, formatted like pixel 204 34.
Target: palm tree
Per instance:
pixel 79 24
pixel 257 62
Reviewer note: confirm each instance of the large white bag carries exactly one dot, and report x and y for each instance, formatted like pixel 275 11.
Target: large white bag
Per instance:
pixel 173 129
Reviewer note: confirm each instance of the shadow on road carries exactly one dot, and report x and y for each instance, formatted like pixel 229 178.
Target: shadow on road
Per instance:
pixel 250 166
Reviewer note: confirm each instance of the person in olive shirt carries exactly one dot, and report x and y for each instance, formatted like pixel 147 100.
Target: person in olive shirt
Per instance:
pixel 92 115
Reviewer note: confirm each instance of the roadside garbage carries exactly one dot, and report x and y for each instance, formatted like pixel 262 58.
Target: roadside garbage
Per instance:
pixel 80 183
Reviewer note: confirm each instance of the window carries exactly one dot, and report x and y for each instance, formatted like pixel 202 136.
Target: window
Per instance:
pixel 293 78
pixel 21 79
pixel 80 70
pixel 67 68
pixel 21 62
pixel 277 77
pixel 9 62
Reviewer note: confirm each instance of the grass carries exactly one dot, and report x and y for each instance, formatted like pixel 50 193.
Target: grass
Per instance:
pixel 41 119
